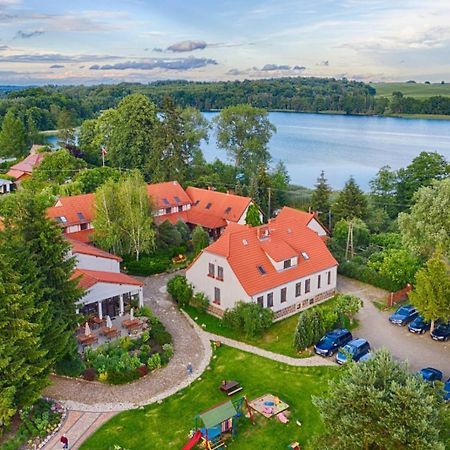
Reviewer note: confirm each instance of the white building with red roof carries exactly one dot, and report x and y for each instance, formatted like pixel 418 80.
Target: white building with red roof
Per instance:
pixel 284 265
pixel 107 290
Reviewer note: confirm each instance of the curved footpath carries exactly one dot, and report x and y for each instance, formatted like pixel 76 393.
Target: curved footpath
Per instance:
pixel 91 404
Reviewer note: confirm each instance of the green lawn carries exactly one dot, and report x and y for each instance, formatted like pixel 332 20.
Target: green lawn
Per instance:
pixel 419 90
pixel 166 426
pixel 278 338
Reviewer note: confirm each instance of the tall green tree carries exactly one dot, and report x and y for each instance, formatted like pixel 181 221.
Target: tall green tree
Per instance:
pixel 66 130
pixel 383 191
pixel 279 183
pixel 422 171
pixel 427 226
pixel 40 260
pixel 431 294
pixel 244 132
pixel 413 414
pixel 22 374
pixel 131 133
pixel 350 202
pixel 321 197
pixel 253 216
pixel 13 139
pixel 124 219
pixel 200 239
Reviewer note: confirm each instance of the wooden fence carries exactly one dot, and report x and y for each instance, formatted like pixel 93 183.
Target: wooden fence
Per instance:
pixel 395 297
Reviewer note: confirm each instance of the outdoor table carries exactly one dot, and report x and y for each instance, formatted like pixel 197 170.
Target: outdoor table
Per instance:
pixel 132 324
pixel 96 321
pixel 87 340
pixel 109 332
pixel 230 387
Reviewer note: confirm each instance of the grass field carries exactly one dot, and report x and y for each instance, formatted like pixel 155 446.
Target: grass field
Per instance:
pixel 278 338
pixel 419 90
pixel 166 426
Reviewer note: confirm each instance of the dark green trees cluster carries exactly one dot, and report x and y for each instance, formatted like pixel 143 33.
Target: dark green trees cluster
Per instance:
pixel 37 303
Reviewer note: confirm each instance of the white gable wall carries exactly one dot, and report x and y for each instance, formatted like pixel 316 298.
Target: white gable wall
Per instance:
pixel 315 225
pixel 91 262
pixel 231 290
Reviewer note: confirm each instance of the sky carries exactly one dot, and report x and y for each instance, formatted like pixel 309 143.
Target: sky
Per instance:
pixel 105 41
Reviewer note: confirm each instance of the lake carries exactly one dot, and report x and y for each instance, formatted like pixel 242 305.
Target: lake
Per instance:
pixel 344 145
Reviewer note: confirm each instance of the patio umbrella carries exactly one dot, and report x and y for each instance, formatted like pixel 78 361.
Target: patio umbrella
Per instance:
pixel 108 322
pixel 131 313
pixel 87 330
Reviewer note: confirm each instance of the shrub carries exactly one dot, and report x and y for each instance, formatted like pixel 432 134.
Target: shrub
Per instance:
pixel 148 265
pixel 125 342
pixel 154 362
pixel 103 377
pixel 71 366
pixel 249 318
pixel 180 290
pixel 145 311
pixel 161 336
pixel 90 374
pixel 168 350
pixel 123 376
pixel 200 239
pixel 200 301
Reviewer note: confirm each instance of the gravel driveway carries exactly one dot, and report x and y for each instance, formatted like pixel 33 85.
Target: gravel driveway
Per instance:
pixel 419 350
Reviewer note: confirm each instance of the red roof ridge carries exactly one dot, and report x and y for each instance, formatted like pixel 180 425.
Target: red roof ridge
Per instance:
pixel 87 249
pixel 91 277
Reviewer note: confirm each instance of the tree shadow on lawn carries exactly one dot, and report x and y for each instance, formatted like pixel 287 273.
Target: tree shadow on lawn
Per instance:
pixel 167 425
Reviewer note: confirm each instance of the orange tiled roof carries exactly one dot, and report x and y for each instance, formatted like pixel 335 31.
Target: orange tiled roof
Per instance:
pixel 76 209
pixel 245 251
pixel 88 278
pixel 172 218
pixel 26 166
pixel 167 195
pixel 227 207
pixel 82 236
pixel 204 218
pixel 86 249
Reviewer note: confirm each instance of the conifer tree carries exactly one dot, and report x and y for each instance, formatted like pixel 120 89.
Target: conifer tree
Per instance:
pixel 320 198
pixel 22 360
pixel 351 202
pixel 44 270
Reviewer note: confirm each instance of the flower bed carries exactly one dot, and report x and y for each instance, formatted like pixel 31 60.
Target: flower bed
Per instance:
pixel 38 424
pixel 127 359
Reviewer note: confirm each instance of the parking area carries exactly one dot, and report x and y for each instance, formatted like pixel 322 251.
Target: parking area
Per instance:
pixel 418 350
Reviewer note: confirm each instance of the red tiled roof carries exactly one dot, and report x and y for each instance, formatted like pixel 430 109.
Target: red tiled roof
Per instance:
pixel 70 207
pixel 167 195
pixel 205 218
pixel 172 218
pixel 26 166
pixel 227 207
pixel 88 278
pixel 245 251
pixel 86 249
pixel 302 217
pixel 81 236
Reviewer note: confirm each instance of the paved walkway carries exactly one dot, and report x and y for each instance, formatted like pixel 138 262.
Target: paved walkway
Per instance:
pixel 418 351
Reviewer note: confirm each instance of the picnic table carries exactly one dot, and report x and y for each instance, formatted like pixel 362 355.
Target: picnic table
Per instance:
pixel 133 324
pixel 230 387
pixel 87 340
pixel 109 332
pixel 96 322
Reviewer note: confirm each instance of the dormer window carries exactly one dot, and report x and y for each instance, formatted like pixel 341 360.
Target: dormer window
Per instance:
pixel 286 264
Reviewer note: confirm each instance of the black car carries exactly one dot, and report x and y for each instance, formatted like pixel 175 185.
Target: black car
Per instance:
pixel 419 325
pixel 332 341
pixel 430 374
pixel 403 315
pixel 441 332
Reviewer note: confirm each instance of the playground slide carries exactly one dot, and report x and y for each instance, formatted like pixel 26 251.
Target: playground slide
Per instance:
pixel 194 439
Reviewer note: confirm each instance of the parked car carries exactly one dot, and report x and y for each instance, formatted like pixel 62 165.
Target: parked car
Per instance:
pixel 356 348
pixel 430 374
pixel 419 325
pixel 332 342
pixel 441 332
pixel 447 390
pixel 367 357
pixel 403 315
